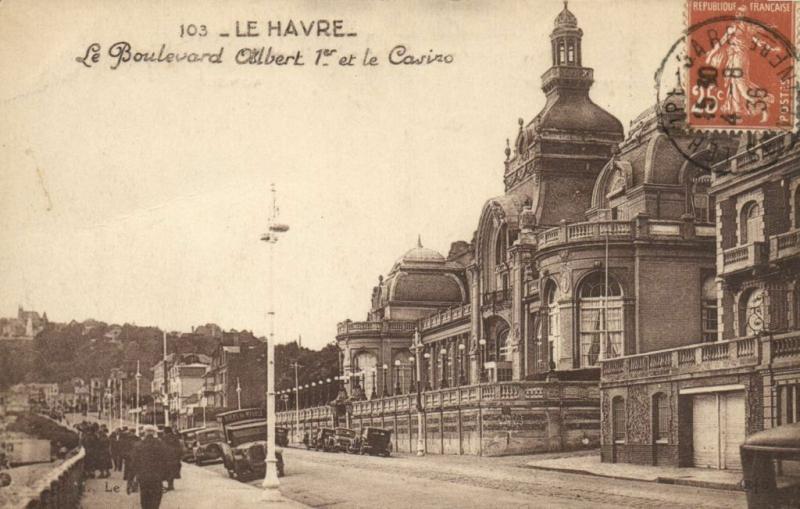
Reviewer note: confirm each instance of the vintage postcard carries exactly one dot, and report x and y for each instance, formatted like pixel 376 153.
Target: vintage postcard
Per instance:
pixel 421 253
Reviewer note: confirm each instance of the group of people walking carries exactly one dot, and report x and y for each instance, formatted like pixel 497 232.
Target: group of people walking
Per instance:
pixel 147 462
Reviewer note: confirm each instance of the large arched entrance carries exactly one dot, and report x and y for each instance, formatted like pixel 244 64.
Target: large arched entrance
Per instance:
pixel 497 351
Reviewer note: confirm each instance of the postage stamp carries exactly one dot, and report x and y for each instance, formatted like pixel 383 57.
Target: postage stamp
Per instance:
pixel 741 68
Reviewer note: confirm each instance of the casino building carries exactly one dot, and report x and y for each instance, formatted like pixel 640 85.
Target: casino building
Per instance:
pixel 578 263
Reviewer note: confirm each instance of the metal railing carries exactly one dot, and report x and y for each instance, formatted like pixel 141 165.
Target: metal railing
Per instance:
pixel 350 327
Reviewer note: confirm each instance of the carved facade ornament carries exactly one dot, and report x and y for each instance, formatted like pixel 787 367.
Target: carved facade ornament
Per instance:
pixel 565 280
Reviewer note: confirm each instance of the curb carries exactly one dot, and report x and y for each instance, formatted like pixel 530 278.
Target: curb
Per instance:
pixel 661 480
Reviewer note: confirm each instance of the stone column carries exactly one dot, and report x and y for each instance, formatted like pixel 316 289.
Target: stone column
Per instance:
pixel 473 277
pixel 514 340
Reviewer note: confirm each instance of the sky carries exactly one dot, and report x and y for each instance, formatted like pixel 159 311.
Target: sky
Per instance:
pixel 139 194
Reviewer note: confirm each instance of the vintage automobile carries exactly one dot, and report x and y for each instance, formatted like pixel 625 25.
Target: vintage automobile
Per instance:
pixel 321 441
pixel 188 440
pixel 342 439
pixel 375 441
pixel 281 436
pixel 244 449
pixel 771 468
pixel 208 445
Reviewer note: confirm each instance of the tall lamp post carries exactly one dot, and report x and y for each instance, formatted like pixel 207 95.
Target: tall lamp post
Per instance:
pixel 461 378
pixel 427 357
pixel 328 391
pixel 238 393
pixel 374 372
pixel 443 355
pixel 138 408
pixel 385 368
pixel 413 386
pixel 274 229
pixel 417 348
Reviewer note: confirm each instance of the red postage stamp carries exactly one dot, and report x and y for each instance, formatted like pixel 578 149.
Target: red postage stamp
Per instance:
pixel 740 71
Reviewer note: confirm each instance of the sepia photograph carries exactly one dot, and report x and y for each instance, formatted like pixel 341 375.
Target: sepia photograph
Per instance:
pixel 399 254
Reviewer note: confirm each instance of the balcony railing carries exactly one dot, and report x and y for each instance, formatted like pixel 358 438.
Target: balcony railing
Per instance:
pixel 743 257
pixel 592 230
pixel 446 316
pixel 703 357
pixel 382 326
pixel 497 298
pixel 784 245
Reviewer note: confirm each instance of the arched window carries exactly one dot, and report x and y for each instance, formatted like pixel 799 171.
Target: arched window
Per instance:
pixel 503 350
pixel 750 224
pixel 661 418
pixel 618 419
pixel 364 364
pixel 702 203
pixel 561 54
pixel 751 309
pixel 708 311
pixel 501 245
pixel 571 52
pixel 553 323
pixel 797 207
pixel 601 323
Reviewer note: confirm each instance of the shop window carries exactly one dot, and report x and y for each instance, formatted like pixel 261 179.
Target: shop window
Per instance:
pixel 750 224
pixel 501 245
pixel 788 404
pixel 601 323
pixel 618 419
pixel 709 309
pixel 661 418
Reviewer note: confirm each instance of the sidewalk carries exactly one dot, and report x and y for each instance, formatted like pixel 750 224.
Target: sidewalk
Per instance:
pixel 197 488
pixel 591 465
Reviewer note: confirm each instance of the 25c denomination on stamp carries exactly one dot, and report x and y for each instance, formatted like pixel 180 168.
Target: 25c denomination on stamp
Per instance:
pixel 742 62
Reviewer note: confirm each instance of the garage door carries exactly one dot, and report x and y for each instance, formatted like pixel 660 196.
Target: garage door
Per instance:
pixel 705 431
pixel 718 429
pixel 733 405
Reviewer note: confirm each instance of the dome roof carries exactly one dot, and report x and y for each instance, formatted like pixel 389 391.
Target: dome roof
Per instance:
pixel 433 288
pixel 421 254
pixel 577 111
pixel 566 19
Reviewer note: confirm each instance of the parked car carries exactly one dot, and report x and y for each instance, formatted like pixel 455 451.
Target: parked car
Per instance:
pixel 244 449
pixel 375 441
pixel 322 440
pixel 189 440
pixel 208 445
pixel 771 467
pixel 342 439
pixel 281 436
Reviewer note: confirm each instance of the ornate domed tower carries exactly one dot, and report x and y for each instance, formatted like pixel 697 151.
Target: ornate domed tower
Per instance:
pixel 557 155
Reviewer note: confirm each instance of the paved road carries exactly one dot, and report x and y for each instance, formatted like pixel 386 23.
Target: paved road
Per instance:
pixel 345 481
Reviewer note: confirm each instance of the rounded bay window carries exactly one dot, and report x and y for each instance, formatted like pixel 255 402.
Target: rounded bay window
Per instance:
pixel 601 323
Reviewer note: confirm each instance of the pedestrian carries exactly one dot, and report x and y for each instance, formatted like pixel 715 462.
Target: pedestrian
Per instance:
pixel 148 468
pixel 130 441
pixel 103 454
pixel 173 443
pixel 89 442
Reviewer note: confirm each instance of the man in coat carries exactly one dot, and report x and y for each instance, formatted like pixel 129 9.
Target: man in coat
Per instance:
pixel 148 467
pixel 173 443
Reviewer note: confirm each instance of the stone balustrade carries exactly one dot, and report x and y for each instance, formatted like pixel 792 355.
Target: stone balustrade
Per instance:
pixel 446 316
pixel 784 245
pixel 484 419
pixel 744 352
pixel 376 327
pixel 744 257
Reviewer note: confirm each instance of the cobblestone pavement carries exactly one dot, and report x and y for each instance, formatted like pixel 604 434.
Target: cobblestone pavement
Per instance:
pixel 346 481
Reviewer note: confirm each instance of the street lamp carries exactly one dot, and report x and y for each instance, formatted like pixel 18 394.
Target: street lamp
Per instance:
pixel 482 356
pixel 417 348
pixel 238 393
pixel 314 394
pixel 427 357
pixel 397 388
pixel 274 229
pixel 413 386
pixel 138 409
pixel 385 393
pixel 308 395
pixel 374 393
pixel 328 391
pixel 443 355
pixel 461 378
